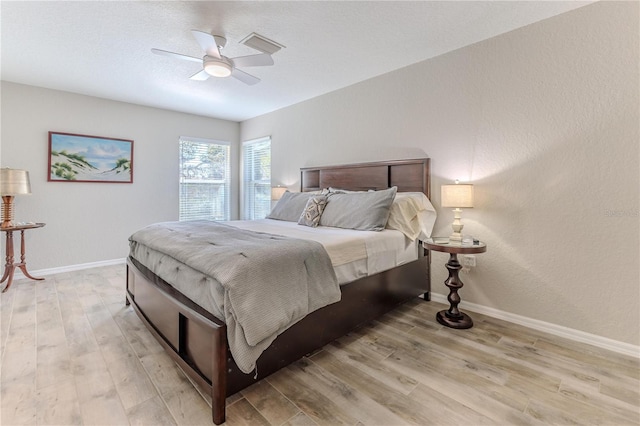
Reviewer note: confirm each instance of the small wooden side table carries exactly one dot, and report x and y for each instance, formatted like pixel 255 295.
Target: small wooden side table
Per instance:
pixel 10 266
pixel 453 317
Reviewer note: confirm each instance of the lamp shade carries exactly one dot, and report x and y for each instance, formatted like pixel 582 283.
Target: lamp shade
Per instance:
pixel 14 182
pixel 277 191
pixel 458 195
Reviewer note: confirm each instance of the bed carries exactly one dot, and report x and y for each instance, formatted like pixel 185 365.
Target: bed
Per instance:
pixel 197 340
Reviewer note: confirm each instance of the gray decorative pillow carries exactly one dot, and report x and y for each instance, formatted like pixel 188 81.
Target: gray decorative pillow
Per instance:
pixel 333 190
pixel 365 211
pixel 313 211
pixel 290 206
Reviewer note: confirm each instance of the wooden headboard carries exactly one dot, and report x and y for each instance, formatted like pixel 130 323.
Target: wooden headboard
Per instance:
pixel 407 175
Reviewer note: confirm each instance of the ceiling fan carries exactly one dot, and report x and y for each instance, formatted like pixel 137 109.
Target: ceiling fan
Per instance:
pixel 215 64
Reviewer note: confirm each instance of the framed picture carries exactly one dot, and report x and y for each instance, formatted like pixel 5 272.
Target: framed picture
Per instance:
pixel 83 158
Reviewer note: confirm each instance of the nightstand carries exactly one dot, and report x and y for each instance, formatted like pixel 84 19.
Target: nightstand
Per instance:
pixel 453 317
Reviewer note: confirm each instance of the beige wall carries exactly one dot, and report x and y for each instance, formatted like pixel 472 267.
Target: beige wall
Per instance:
pixel 90 222
pixel 544 121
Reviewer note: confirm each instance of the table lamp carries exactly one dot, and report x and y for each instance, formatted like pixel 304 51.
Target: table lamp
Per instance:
pixel 12 182
pixel 457 196
pixel 277 191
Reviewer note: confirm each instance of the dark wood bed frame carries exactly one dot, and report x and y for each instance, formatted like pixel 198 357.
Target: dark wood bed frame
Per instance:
pixel 197 341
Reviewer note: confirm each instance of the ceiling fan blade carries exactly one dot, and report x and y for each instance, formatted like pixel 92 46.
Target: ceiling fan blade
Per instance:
pixel 200 76
pixel 262 59
pixel 176 55
pixel 244 77
pixel 207 43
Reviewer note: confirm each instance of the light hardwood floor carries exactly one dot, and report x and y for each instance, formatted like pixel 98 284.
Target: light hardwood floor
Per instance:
pixel 72 353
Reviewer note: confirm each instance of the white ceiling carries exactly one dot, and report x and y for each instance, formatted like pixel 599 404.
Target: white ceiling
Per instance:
pixel 102 48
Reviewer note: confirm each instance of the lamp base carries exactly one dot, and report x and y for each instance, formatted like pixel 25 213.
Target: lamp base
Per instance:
pixel 7 211
pixel 457 226
pixel 456 237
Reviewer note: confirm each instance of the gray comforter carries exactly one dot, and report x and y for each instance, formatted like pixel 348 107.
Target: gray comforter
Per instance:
pixel 258 284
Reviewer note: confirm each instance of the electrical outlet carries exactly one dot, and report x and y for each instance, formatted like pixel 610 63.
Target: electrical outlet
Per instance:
pixel 469 261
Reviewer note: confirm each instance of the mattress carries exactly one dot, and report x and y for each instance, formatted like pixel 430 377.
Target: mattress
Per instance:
pixel 354 254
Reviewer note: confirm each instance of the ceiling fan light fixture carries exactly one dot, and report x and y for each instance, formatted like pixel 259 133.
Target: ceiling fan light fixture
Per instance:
pixel 217 68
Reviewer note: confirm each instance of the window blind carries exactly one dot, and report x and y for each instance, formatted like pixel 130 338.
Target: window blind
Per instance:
pixel 256 158
pixel 205 173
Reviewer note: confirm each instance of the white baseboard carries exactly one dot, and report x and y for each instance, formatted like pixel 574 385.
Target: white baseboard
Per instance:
pixel 44 272
pixel 547 327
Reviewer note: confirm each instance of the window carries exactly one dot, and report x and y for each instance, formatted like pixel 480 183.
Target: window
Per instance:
pixel 256 156
pixel 204 179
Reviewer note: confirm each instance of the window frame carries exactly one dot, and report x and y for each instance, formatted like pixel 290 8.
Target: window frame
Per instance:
pixel 249 209
pixel 225 182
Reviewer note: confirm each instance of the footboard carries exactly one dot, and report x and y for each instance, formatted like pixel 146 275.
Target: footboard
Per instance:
pixel 195 339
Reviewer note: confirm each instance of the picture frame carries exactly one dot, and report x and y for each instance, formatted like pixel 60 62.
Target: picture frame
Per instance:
pixel 85 158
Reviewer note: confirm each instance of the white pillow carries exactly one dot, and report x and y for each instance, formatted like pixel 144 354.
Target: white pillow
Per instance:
pixel 412 214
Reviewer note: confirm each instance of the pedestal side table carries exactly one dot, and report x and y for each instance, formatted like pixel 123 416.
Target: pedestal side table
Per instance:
pixel 453 317
pixel 10 266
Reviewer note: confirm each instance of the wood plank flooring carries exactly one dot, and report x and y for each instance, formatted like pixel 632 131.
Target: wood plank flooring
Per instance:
pixel 72 353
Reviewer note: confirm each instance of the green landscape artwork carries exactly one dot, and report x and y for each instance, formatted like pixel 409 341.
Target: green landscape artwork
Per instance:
pixel 82 158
